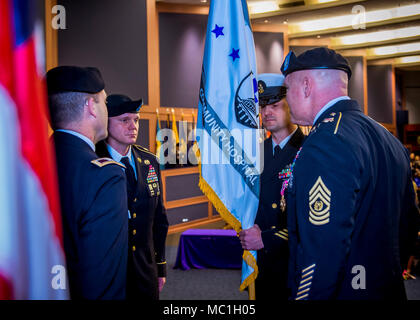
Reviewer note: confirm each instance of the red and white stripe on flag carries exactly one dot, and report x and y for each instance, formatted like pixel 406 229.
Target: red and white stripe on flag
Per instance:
pixel 30 226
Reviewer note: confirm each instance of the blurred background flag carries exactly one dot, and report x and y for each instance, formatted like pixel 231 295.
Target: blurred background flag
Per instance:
pixel 228 103
pixel 32 263
pixel 159 150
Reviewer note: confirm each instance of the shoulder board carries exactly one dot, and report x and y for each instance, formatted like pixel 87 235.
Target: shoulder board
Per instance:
pixel 101 162
pixel 140 148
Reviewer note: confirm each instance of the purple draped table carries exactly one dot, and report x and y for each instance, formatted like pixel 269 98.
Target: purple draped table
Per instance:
pixel 209 248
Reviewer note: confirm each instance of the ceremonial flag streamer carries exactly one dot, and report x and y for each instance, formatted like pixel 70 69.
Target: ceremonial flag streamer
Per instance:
pixel 31 253
pixel 227 124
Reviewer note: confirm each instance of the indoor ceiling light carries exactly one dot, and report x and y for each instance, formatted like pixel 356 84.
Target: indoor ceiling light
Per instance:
pixel 394 50
pixel 324 1
pixel 350 20
pixel 262 6
pixel 377 36
pixel 407 60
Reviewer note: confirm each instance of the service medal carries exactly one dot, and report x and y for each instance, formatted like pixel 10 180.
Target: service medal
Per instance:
pixel 282 203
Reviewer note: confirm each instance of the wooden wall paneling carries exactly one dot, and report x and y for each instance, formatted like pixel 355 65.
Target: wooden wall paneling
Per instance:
pixel 182 8
pixel 174 172
pixel 365 86
pixel 152 129
pixel 51 45
pixel 153 54
pixel 185 202
pixel 192 224
pixel 393 94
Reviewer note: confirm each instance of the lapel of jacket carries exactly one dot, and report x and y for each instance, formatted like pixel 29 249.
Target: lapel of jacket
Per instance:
pixel 141 169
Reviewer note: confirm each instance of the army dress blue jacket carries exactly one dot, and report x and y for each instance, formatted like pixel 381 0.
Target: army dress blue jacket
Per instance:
pixel 351 209
pixel 94 216
pixel 148 226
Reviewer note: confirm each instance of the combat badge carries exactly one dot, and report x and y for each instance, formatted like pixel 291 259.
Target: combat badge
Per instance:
pixel 319 203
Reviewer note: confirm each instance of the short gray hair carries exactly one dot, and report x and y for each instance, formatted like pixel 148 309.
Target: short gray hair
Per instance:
pixel 67 107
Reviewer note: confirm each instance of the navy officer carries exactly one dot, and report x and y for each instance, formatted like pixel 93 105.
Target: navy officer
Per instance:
pixel 92 191
pixel 269 235
pixel 148 224
pixel 350 199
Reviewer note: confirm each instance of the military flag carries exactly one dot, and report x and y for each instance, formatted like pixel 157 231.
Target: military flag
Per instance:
pixel 227 124
pixel 32 264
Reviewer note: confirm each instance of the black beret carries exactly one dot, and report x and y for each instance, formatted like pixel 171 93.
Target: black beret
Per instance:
pixel 119 104
pixel 74 79
pixel 270 88
pixel 318 58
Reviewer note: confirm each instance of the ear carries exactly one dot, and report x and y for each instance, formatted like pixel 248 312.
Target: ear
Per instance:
pixel 307 86
pixel 90 107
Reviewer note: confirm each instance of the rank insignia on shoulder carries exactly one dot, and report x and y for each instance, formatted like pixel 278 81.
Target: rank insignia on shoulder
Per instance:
pixel 101 162
pixel 319 203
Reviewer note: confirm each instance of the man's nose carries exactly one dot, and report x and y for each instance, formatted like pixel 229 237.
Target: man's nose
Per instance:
pixel 267 111
pixel 132 125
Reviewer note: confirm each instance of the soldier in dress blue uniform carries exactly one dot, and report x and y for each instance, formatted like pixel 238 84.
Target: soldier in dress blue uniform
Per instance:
pixel 269 235
pixel 350 200
pixel 92 190
pixel 148 224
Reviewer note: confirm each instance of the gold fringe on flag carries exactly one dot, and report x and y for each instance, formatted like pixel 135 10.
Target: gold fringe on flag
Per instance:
pixel 230 219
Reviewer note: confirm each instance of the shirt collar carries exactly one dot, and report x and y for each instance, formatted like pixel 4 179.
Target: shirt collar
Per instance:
pixel 117 156
pixel 284 141
pixel 329 105
pixel 79 135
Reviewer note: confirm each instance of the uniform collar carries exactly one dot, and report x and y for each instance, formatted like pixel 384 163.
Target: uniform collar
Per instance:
pixel 117 156
pixel 341 105
pixel 284 141
pixel 79 135
pixel 329 105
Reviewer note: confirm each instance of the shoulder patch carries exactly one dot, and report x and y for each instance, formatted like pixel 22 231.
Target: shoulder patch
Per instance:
pixel 101 162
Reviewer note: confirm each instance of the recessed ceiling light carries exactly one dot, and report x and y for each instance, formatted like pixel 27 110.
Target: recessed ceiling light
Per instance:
pixel 347 21
pixel 377 36
pixel 406 60
pixel 394 50
pixel 262 6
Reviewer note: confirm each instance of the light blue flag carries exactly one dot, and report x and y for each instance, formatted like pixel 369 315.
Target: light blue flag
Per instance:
pixel 227 125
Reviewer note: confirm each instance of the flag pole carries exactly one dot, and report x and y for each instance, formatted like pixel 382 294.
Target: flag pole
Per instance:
pixel 251 290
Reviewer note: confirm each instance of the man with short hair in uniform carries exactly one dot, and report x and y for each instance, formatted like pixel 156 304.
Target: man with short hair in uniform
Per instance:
pixel 269 235
pixel 92 190
pixel 350 200
pixel 148 224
